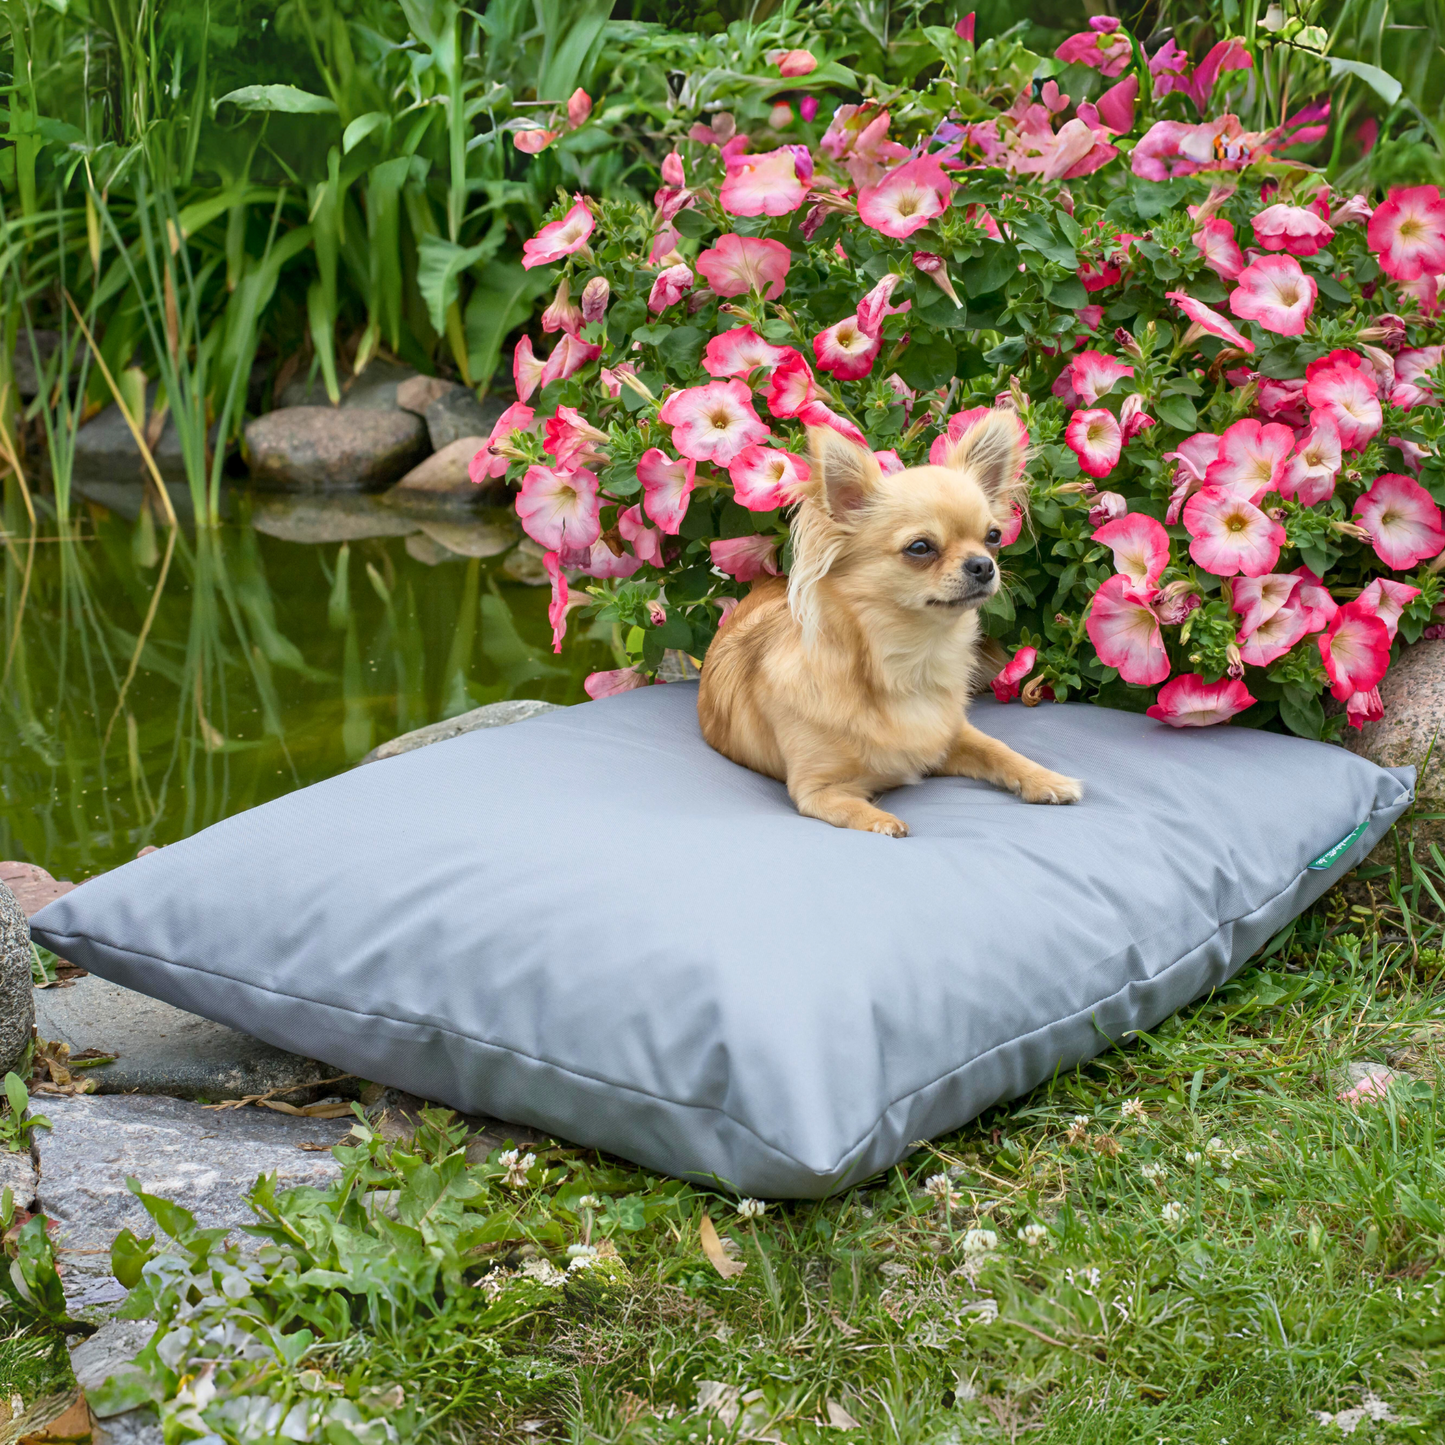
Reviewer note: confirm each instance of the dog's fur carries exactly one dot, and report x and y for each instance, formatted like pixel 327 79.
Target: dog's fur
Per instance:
pixel 851 676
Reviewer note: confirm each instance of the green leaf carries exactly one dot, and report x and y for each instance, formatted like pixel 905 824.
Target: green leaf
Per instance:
pixel 16 1095
pixel 675 633
pixel 440 264
pixel 1302 712
pixel 692 224
pixel 279 98
pixel 682 347
pixel 128 1256
pixel 502 301
pixel 1069 294
pixel 1381 82
pixel 123 1391
pixel 653 334
pixel 929 362
pixel 1036 232
pixel 362 127
pixel 1332 288
pixel 998 262
pixel 1177 411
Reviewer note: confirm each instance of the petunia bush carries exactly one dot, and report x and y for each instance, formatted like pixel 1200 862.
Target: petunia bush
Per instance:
pixel 1229 375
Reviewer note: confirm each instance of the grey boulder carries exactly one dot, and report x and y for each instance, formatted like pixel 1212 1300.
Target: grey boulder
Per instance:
pixel 494 715
pixel 457 413
pixel 443 479
pixel 17 997
pixel 325 449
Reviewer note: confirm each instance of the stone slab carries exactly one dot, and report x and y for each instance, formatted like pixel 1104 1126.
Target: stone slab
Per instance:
pixel 326 449
pixel 443 479
pixel 332 517
pixel 493 715
pixel 418 393
pixel 17 1007
pixel 457 413
pixel 161 1049
pixel 17 1170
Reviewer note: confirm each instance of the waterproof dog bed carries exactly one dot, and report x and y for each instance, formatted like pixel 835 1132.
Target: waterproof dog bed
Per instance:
pixel 593 924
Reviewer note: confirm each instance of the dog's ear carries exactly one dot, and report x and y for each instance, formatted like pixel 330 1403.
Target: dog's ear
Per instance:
pixel 994 450
pixel 845 475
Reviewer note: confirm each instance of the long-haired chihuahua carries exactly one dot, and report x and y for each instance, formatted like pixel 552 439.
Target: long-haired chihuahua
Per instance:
pixel 851 676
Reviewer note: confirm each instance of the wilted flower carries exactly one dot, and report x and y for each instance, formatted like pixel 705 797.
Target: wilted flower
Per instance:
pixel 1134 1109
pixel 940 1189
pixel 751 1208
pixel 1079 1128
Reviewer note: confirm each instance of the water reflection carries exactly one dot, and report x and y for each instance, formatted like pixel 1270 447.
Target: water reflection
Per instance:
pixel 155 681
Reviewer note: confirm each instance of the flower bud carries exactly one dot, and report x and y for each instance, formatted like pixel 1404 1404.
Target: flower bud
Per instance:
pixel 808 108
pixel 562 315
pixel 1108 507
pixel 595 296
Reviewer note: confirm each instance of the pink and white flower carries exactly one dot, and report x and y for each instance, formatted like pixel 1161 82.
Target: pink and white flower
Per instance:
pixel 1412 388
pixel 609 684
pixel 1125 632
pixel 1133 419
pixel 1090 375
pixel 599 560
pixel 739 352
pixel 557 607
pixel 1388 600
pixel 1108 507
pixel 1342 387
pixel 1293 229
pixel 762 185
pixel 646 541
pixel 491 462
pixel 906 199
pixel 1402 519
pixel 1140 546
pixel 562 314
pixel 1007 684
pixel 1407 233
pixel 746 558
pixel 764 478
pixel 1274 637
pixel 1355 650
pixel 1215 239
pixel 533 141
pixel 1096 438
pixel 558 508
pixel 579 107
pixel 791 386
pixel 874 307
pixel 1281 401
pixel 1193 456
pixel 666 487
pixel 739 264
pixel 713 423
pixel 1188 701
pixel 669 288
pixel 889 462
pixel 793 63
pixel 1360 708
pixel 1207 321
pixel 1252 459
pixel 1103 47
pixel 846 349
pixel 1310 476
pixel 1257 599
pixel 1231 536
pixel 1276 293
pixel 571 440
pixel 527 369
pixel 1314 600
pixel 819 413
pixel 560 238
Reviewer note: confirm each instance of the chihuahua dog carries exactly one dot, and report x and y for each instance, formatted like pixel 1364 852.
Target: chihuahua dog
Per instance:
pixel 851 676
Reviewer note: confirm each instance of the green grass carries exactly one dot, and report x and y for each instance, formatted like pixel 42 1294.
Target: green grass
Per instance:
pixel 1233 1253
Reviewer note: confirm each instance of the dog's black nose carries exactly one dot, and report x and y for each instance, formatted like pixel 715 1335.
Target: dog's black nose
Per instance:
pixel 978 569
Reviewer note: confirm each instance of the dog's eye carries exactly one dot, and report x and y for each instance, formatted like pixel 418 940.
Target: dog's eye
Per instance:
pixel 919 548
pixel 993 537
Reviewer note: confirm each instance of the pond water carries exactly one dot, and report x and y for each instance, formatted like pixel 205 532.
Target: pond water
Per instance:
pixel 153 682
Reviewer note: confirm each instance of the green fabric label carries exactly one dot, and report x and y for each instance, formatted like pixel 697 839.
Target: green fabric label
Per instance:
pixel 1328 860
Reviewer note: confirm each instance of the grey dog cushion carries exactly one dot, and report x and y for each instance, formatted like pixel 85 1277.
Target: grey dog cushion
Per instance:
pixel 593 924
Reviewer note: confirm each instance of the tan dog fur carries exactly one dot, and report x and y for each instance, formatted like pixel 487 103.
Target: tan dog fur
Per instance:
pixel 852 675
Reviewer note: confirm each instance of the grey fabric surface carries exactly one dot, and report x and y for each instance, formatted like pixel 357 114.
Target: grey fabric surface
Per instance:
pixel 591 923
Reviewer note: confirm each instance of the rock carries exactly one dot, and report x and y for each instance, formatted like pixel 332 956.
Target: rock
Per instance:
pixel 374 390
pixel 17 998
pixel 337 517
pixel 457 413
pixel 428 551
pixel 442 479
pixel 524 564
pixel 17 1170
pixel 202 1159
pixel 418 392
pixel 32 886
pixel 135 1427
pixel 105 450
pixel 161 1049
pixel 494 715
pixel 109 1351
pixel 471 538
pixel 322 449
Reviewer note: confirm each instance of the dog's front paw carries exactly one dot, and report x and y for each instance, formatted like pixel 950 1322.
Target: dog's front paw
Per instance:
pixel 888 825
pixel 1042 786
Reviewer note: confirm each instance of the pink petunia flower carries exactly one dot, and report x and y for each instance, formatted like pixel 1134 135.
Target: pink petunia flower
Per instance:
pixel 1090 375
pixel 762 185
pixel 599 560
pixel 571 440
pixel 1188 701
pixel 1133 419
pixel 1411 387
pixel 1292 229
pixel 1310 476
pixel 1114 110
pixel 646 541
pixel 579 107
pixel 1276 293
pixel 1355 650
pixel 1108 51
pixel 557 608
pixel 1388 600
pixel 1252 459
pixel 526 369
pixel 1108 507
pixel 906 199
pixel 764 478
pixel 1125 632
pixel 1172 73
pixel 846 349
pixel 560 238
pixel 819 413
pixel 746 558
pixel 1256 599
pixel 738 264
pixel 791 386
pixel 666 487
pixel 874 307
pixel 1095 437
pixel 1006 685
pixel 568 357
pixel 490 463
pixel 1407 233
pixel 793 63
pixel 739 352
pixel 1170 148
pixel 1140 546
pixel 889 462
pixel 1194 455
pixel 1208 321
pixel 1402 519
pixel 1360 708
pixel 1274 637
pixel 669 288
pixel 609 684
pixel 1314 600
pixel 1342 387
pixel 563 314
pixel 1230 535
pixel 1216 243
pixel 559 509
pixel 533 141
pixel 713 423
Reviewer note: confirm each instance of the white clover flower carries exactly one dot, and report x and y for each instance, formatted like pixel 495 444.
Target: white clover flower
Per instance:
pixel 1155 1169
pixel 1035 1236
pixel 940 1189
pixel 516 1164
pixel 751 1208
pixel 1134 1109
pixel 1193 1157
pixel 979 1241
pixel 589 1201
pixel 1172 1213
pixel 582 1251
pixel 1078 1128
